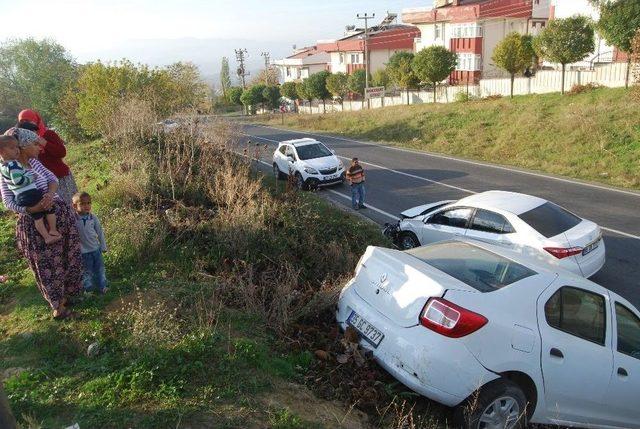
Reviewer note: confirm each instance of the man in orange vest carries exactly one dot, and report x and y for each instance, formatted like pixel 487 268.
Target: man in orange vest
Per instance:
pixel 355 176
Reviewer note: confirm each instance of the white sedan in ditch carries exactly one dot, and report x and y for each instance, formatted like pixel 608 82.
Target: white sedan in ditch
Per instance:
pixel 497 335
pixel 524 223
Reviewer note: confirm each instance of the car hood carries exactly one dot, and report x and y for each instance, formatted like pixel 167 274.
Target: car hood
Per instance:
pixel 323 163
pixel 423 209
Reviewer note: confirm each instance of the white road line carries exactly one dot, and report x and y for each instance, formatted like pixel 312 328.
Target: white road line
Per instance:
pixel 614 231
pixel 424 179
pixel 369 207
pixel 466 161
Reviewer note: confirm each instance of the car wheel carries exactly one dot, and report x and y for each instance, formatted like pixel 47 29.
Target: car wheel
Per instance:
pixel 300 184
pixel 279 175
pixel 407 240
pixel 498 405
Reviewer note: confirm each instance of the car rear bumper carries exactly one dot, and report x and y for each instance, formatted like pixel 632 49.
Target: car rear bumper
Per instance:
pixel 428 363
pixel 594 261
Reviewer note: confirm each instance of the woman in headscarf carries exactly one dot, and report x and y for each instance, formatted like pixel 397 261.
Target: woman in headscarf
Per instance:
pixel 52 152
pixel 57 266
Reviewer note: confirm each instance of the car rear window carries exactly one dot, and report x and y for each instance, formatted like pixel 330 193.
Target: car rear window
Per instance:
pixel 479 268
pixel 550 219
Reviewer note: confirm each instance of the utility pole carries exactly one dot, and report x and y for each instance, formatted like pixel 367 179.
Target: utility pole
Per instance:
pixel 366 17
pixel 267 62
pixel 242 73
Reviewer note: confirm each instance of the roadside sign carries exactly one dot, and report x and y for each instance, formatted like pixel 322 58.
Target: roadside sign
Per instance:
pixel 374 92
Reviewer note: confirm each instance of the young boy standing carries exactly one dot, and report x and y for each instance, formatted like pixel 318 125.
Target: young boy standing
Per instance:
pixel 92 242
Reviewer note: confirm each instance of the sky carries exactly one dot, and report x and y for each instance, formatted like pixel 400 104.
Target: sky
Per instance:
pixel 159 32
pixel 162 31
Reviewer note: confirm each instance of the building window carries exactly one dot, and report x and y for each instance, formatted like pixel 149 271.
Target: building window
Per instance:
pixel 469 62
pixel 341 58
pixel 466 30
pixel 288 72
pixel 436 31
pixel 355 58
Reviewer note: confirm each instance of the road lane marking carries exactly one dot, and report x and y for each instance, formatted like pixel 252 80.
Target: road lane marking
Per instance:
pixel 614 231
pixel 370 207
pixel 466 161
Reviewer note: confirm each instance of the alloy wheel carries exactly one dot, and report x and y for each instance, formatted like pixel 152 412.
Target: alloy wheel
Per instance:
pixel 503 413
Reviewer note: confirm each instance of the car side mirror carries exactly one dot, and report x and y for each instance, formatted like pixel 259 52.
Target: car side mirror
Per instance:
pixel 426 219
pixel 291 158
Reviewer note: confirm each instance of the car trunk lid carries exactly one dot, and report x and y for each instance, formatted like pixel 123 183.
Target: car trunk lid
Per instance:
pixel 399 285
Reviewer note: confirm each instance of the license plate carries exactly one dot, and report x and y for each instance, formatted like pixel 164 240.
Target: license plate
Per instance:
pixel 331 177
pixel 366 329
pixel 591 247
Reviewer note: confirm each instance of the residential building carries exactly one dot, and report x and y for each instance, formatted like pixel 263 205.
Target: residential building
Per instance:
pixel 603 52
pixel 473 29
pixel 303 62
pixel 348 53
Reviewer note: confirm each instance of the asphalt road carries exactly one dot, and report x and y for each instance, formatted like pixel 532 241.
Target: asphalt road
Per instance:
pixel 398 179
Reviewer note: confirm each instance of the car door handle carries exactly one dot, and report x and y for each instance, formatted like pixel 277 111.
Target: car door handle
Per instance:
pixel 622 372
pixel 556 353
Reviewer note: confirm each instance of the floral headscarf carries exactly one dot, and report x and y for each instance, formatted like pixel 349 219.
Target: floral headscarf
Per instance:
pixel 24 137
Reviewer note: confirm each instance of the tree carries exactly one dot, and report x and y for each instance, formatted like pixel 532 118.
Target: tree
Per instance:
pixel 225 78
pixel 302 91
pixel 433 65
pixel 234 93
pixel 34 74
pixel 357 81
pixel 268 77
pixel 380 78
pixel 513 55
pixel 252 96
pixel 565 41
pixel 271 95
pixel 337 85
pixel 288 90
pixel 317 87
pixel 400 72
pixel 618 24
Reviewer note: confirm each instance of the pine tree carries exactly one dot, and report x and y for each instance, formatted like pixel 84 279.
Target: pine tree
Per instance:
pixel 225 77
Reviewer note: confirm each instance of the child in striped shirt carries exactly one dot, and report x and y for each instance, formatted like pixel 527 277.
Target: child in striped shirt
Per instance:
pixel 22 183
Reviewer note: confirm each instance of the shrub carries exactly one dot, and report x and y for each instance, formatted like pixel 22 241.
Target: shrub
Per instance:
pixel 579 89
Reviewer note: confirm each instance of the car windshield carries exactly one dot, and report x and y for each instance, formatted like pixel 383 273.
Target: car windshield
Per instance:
pixel 550 219
pixel 311 151
pixel 479 268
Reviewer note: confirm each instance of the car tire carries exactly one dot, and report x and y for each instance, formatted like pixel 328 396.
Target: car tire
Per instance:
pixel 279 175
pixel 300 183
pixel 499 404
pixel 407 240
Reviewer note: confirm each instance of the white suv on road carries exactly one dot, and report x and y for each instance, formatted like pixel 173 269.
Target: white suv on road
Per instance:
pixel 309 161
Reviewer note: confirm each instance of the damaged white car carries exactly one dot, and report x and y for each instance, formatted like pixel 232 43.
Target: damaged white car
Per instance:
pixel 524 223
pixel 500 337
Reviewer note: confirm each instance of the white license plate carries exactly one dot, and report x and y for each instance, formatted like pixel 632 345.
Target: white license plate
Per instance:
pixel 331 177
pixel 368 331
pixel 591 247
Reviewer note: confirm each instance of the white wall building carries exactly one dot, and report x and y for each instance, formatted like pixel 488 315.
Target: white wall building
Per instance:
pixel 303 63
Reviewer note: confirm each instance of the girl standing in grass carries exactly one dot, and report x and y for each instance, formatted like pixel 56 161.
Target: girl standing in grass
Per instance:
pixel 58 266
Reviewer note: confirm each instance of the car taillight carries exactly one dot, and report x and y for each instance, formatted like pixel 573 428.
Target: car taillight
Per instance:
pixel 450 320
pixel 563 252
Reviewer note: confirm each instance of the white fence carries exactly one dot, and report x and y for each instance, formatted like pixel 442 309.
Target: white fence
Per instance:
pixel 545 81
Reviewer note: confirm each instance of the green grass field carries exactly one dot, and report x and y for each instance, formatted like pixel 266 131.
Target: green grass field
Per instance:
pixel 173 352
pixel 593 135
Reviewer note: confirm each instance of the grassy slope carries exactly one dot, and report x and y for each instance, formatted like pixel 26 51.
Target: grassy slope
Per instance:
pixel 216 377
pixel 592 136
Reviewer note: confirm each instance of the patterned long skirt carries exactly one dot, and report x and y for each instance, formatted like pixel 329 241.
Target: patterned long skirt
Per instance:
pixel 67 188
pixel 57 266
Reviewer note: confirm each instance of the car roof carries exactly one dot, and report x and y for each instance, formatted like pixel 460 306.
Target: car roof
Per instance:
pixel 300 142
pixel 512 202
